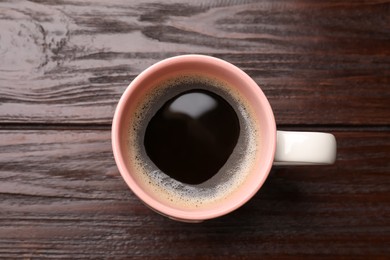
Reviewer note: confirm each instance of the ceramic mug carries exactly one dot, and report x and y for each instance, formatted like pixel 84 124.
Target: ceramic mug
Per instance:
pixel 275 147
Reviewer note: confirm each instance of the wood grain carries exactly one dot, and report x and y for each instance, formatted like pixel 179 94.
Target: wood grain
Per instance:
pixel 61 196
pixel 324 65
pixel 318 62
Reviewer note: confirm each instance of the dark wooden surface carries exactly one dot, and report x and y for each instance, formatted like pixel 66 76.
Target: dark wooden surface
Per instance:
pixel 325 66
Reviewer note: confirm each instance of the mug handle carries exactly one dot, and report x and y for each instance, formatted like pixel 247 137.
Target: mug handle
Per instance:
pixel 305 148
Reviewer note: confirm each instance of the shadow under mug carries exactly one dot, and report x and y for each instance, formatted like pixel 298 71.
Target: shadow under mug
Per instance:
pixel 276 147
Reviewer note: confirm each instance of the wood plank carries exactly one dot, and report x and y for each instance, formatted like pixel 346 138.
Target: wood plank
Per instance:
pixel 318 62
pixel 62 196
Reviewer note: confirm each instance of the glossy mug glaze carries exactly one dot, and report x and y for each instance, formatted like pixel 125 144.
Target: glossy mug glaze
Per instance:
pixel 272 147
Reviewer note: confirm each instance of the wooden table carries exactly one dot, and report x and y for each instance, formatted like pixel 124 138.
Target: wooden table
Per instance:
pixel 324 65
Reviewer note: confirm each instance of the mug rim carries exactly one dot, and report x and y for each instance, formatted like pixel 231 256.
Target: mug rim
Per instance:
pixel 166 210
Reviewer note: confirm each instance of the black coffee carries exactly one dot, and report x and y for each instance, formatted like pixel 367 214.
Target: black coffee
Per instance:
pixel 192 135
pixel 191 139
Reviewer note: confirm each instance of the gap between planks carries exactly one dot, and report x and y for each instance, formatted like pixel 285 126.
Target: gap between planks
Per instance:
pixel 105 127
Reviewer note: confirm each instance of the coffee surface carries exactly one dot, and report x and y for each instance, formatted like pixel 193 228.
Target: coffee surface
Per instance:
pixel 218 126
pixel 192 135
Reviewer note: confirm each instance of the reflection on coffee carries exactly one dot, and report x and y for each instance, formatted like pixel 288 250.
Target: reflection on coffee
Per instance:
pixel 192 139
pixel 192 135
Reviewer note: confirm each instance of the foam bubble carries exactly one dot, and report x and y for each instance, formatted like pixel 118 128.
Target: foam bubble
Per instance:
pixel 229 178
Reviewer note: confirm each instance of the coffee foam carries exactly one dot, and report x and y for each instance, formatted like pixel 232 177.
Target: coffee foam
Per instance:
pixel 228 179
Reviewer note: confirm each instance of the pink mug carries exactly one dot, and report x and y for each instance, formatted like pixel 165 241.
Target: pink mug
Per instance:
pixel 270 147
